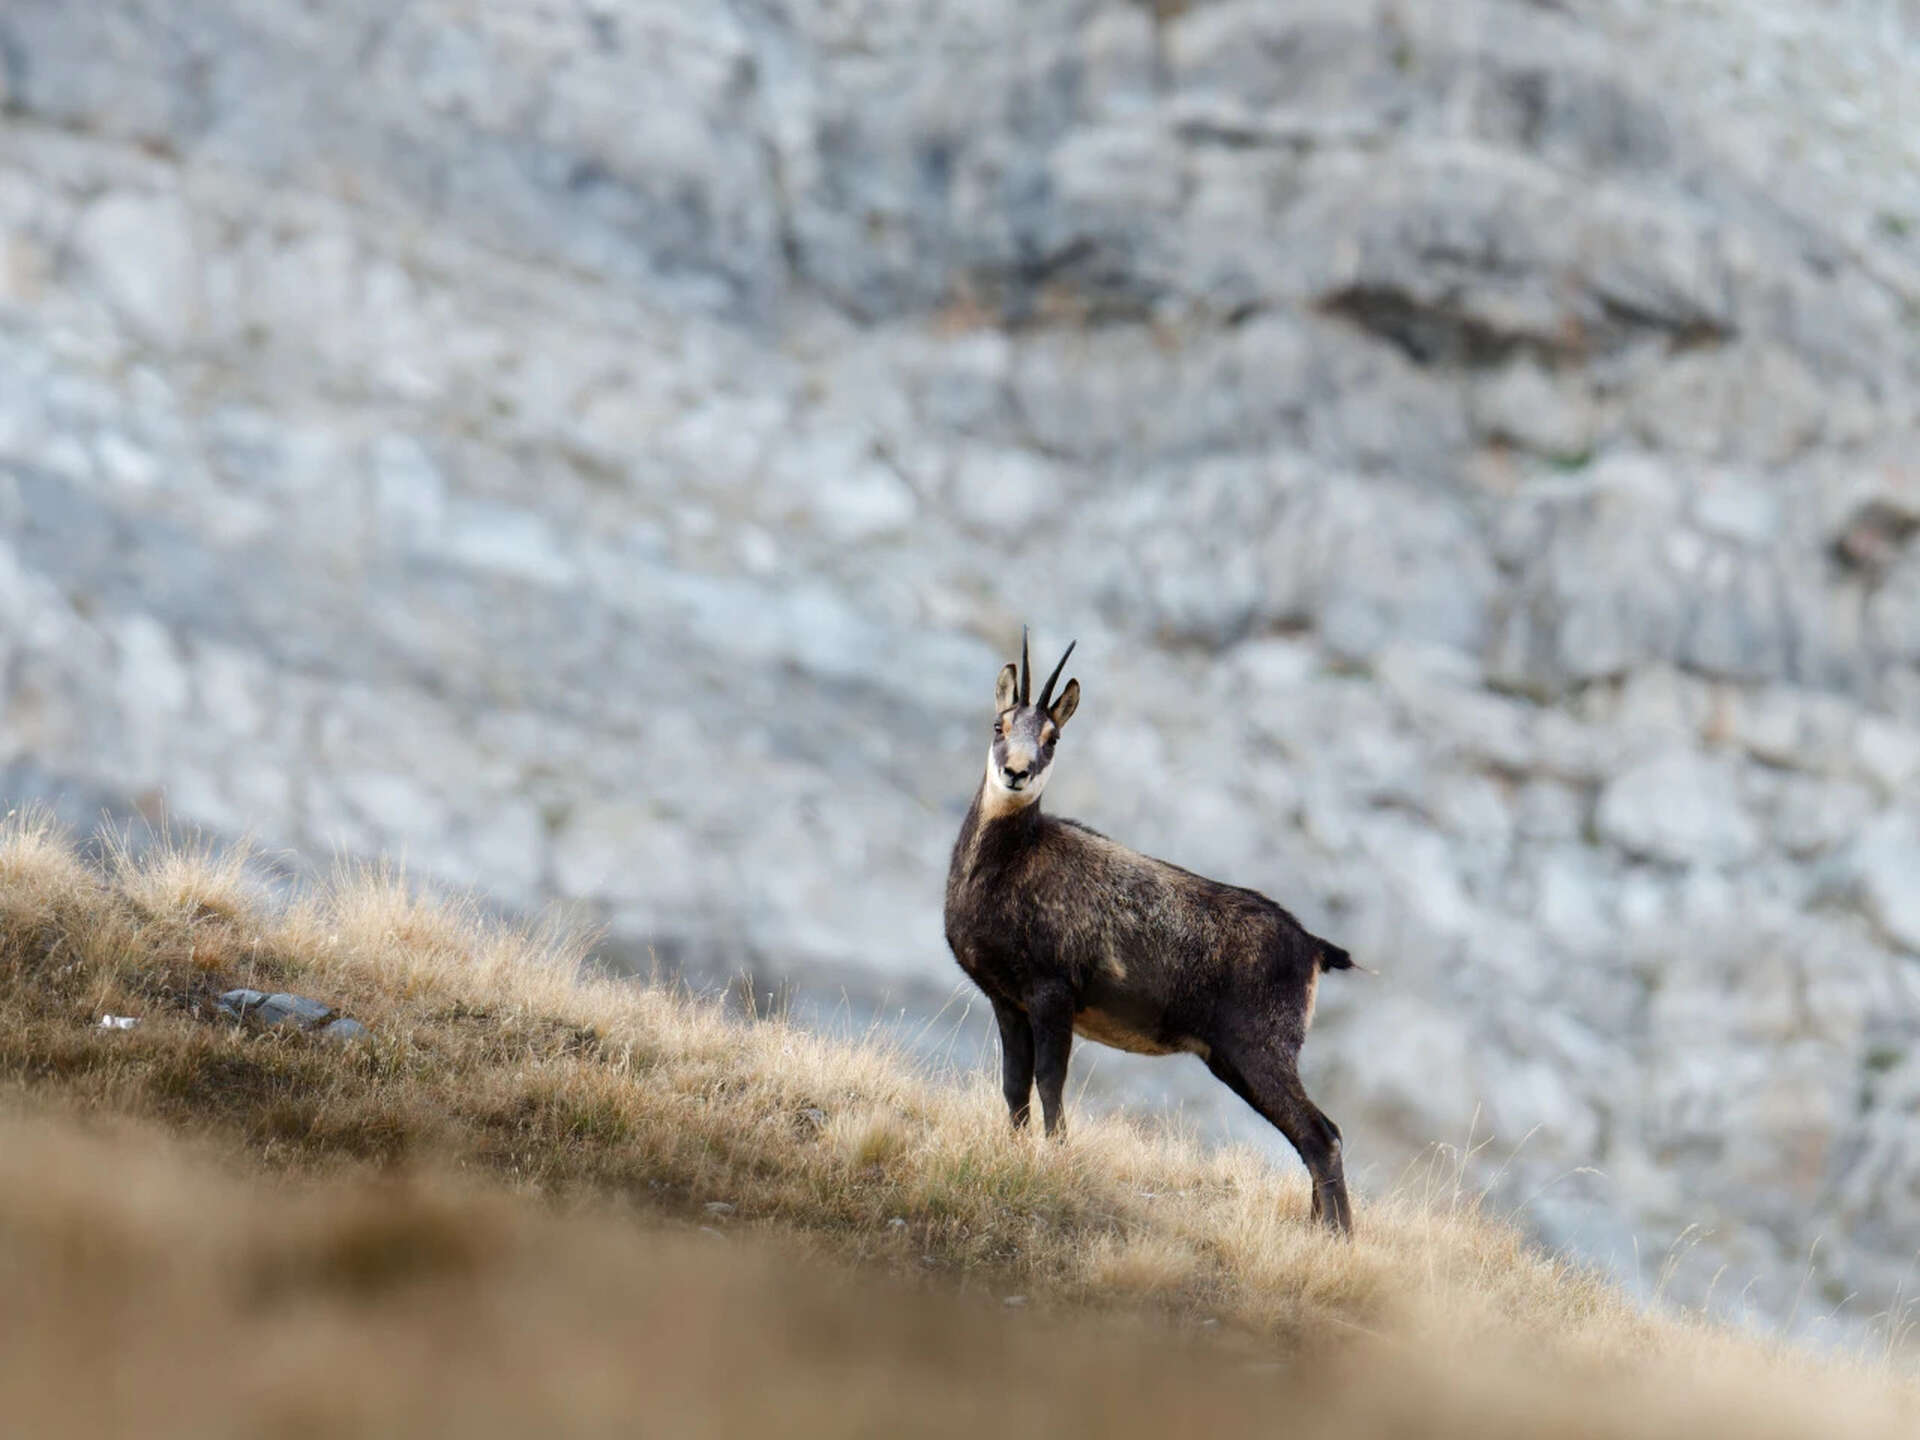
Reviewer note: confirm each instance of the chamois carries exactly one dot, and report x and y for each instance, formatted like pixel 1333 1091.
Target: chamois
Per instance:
pixel 1068 932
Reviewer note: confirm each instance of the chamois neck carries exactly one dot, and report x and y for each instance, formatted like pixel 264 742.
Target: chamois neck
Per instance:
pixel 990 803
pixel 993 828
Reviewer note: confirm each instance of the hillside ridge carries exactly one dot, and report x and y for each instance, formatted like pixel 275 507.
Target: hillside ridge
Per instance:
pixel 495 1062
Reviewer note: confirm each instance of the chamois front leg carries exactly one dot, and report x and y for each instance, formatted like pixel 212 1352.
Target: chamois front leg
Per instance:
pixel 1050 1018
pixel 1016 1059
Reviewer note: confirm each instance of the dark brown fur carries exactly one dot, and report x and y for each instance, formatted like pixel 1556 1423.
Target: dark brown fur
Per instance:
pixel 1067 931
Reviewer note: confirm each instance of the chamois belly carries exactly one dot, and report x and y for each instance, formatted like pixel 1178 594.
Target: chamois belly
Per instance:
pixel 1128 1018
pixel 1125 1034
pixel 1114 1031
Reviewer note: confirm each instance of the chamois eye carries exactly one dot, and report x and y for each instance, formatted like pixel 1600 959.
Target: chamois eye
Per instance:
pixel 999 727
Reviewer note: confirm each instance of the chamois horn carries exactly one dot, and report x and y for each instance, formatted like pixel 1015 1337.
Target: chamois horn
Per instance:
pixel 1046 695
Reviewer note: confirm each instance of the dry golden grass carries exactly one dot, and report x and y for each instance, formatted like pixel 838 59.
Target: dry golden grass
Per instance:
pixel 578 1122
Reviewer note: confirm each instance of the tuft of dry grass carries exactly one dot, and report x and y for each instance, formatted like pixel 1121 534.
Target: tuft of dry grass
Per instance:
pixel 499 1060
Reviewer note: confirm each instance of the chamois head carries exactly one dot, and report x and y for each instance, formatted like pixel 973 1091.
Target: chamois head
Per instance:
pixel 1024 732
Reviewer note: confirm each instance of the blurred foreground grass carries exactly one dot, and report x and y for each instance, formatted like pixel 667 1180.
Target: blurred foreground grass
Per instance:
pixel 537 1201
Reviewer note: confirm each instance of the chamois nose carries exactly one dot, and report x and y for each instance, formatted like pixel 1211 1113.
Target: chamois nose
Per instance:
pixel 1016 776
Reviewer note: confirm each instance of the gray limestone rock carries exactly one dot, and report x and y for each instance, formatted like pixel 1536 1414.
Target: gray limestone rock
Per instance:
pixel 298 1011
pixel 140 248
pixel 1682 808
pixel 239 1004
pixel 1886 862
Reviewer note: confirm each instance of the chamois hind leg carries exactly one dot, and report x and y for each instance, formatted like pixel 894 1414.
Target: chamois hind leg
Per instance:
pixel 1050 1018
pixel 1016 1059
pixel 1271 1085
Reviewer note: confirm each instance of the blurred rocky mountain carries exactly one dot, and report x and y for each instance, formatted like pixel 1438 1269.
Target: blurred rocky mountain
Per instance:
pixel 601 450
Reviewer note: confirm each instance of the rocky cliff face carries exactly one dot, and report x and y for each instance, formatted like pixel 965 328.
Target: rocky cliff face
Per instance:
pixel 603 452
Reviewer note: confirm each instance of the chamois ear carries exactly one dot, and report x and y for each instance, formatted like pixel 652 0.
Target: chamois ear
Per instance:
pixel 1005 689
pixel 1064 707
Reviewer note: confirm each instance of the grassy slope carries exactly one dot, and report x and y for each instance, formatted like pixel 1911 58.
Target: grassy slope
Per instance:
pixel 559 1140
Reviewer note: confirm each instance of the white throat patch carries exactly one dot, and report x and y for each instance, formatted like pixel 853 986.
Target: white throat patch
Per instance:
pixel 997 801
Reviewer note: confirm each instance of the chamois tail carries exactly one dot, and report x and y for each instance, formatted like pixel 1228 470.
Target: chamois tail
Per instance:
pixel 1332 957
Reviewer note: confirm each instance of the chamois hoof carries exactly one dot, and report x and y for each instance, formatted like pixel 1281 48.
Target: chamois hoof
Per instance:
pixel 1334 1212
